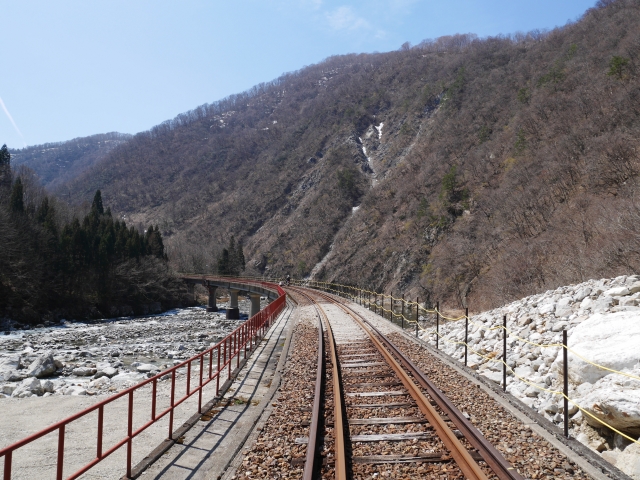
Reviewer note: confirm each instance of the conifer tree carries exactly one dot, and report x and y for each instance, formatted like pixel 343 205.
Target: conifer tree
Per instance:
pixel 16 201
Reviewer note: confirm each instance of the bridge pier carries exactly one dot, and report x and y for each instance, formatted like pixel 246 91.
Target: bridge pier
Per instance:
pixel 191 288
pixel 211 305
pixel 233 312
pixel 255 304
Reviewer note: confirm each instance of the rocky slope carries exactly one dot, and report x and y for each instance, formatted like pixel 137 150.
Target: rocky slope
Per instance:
pixel 602 319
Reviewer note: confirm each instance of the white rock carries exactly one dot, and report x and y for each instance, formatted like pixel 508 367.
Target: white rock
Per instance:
pixel 493 376
pixel 42 367
pixel 83 371
pixel 100 382
pixel 106 372
pixel 146 367
pixel 582 293
pixel 559 326
pixel 28 387
pixel 610 340
pixel 617 292
pixel 629 461
pixel 8 389
pixel 523 371
pixel 614 404
pixel 547 308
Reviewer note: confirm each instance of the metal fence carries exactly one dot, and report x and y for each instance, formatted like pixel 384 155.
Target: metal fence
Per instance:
pixel 211 365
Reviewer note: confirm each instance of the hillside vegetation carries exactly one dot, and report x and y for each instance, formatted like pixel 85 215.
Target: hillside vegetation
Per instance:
pixel 484 169
pixel 56 163
pixel 56 264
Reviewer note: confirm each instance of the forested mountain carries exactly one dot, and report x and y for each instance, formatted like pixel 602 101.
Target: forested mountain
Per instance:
pixel 56 264
pixel 56 163
pixel 463 170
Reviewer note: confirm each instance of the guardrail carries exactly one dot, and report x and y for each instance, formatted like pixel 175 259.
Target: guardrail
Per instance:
pixel 242 340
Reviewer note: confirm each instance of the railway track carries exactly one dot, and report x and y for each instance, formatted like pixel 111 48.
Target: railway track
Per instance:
pixel 381 413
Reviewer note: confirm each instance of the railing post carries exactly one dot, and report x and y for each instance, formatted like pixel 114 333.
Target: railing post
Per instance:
pixel 402 312
pixel 129 434
pixel 200 390
pixel 417 315
pixel 218 373
pixel 504 354
pixel 100 429
pixel 7 465
pixel 437 325
pixel 565 374
pixel 173 396
pixel 189 377
pixel 60 453
pixel 466 334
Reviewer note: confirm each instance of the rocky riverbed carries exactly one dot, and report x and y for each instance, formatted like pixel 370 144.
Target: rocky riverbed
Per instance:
pixel 102 357
pixel 602 320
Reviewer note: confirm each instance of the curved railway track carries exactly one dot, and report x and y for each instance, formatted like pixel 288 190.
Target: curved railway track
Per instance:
pixel 387 412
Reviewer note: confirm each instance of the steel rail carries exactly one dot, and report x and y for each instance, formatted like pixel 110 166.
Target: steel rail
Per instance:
pixel 500 466
pixel 461 456
pixel 338 420
pixel 314 429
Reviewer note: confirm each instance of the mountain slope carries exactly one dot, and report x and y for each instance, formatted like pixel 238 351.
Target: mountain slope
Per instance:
pixel 57 163
pixel 484 170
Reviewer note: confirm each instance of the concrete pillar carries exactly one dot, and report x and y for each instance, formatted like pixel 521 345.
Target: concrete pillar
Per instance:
pixel 211 306
pixel 255 304
pixel 233 312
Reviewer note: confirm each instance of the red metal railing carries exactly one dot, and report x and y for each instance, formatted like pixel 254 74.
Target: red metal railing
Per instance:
pixel 238 342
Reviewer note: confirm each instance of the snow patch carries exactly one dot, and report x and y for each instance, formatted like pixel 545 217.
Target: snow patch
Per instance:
pixel 379 128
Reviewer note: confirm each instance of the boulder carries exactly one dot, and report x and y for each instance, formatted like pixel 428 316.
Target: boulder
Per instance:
pixel 106 372
pixel 582 294
pixel 9 368
pixel 493 376
pixel 43 366
pixel 146 367
pixel 614 403
pixel 100 382
pixel 48 386
pixel 559 326
pixel 83 371
pixel 617 292
pixel 8 389
pixel 547 308
pixel 607 339
pixel 74 390
pixel 629 461
pixel 28 387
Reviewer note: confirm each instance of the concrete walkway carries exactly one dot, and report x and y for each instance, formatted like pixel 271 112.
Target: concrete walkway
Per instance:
pixel 208 448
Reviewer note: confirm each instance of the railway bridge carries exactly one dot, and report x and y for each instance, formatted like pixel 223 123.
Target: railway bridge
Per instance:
pixel 235 286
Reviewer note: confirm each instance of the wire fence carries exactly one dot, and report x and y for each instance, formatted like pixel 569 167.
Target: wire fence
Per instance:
pixel 428 320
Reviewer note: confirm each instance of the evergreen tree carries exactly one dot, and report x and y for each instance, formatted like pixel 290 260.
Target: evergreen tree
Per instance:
pixel 5 166
pixel 96 206
pixel 16 202
pixel 240 257
pixel 223 263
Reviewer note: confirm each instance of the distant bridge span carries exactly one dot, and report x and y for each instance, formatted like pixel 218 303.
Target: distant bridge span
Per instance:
pixel 254 288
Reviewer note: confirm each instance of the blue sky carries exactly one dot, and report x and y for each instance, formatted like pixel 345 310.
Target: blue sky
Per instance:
pixel 76 68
